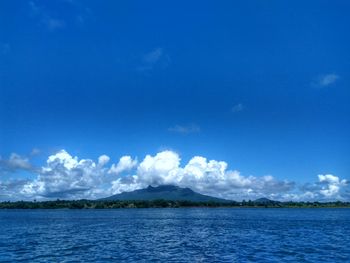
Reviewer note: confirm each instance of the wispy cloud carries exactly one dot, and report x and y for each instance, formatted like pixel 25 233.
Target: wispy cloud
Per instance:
pixel 156 57
pixel 326 80
pixel 185 129
pixel 51 23
pixel 15 162
pixel 34 8
pixel 54 21
pixel 35 152
pixel 237 108
pixel 81 12
pixel 153 56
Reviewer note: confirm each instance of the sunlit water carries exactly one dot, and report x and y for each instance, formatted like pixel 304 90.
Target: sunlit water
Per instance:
pixel 175 235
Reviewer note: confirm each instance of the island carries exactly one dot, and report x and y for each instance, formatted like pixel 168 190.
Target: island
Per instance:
pixel 164 196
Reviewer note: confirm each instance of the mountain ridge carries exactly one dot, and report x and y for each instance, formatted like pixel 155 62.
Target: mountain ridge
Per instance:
pixel 266 201
pixel 165 192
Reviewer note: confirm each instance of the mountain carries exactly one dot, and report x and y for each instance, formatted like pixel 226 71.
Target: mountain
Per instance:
pixel 165 192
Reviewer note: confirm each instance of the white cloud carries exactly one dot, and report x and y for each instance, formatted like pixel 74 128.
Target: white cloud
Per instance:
pixel 185 129
pixel 207 177
pixel 328 187
pixel 332 185
pixel 238 107
pixel 159 169
pixel 103 160
pixel 67 176
pixel 125 163
pixel 327 80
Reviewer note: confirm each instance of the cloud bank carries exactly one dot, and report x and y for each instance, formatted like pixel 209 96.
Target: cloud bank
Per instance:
pixel 67 176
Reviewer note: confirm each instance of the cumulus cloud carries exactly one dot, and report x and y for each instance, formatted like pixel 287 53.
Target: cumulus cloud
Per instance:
pixel 328 187
pixel 331 185
pixel 185 129
pixel 125 163
pixel 327 80
pixel 67 176
pixel 103 160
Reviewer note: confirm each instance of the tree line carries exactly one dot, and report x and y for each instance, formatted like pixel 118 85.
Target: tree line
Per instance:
pixel 92 204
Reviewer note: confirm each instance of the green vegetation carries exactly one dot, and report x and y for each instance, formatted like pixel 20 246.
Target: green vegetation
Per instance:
pixel 111 204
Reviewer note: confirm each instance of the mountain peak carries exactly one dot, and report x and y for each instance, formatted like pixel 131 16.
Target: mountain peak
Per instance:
pixel 165 187
pixel 265 200
pixel 165 192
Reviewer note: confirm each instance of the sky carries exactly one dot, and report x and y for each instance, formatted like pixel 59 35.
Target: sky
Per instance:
pixel 236 99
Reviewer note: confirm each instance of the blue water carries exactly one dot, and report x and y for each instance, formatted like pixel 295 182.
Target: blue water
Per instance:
pixel 175 235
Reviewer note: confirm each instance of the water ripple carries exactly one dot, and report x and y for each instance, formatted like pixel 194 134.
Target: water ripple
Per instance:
pixel 175 235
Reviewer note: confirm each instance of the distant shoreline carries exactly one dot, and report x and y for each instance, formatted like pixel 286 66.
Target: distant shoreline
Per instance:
pixel 117 204
pixel 188 207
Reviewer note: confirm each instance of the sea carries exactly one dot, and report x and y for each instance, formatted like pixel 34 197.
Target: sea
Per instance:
pixel 176 235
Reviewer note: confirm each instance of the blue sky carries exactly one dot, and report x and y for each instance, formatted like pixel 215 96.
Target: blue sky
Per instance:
pixel 261 85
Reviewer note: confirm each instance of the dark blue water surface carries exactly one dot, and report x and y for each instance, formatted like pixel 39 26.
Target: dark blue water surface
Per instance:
pixel 175 235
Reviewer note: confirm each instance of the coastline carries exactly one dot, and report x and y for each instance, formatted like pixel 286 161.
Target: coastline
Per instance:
pixel 144 204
